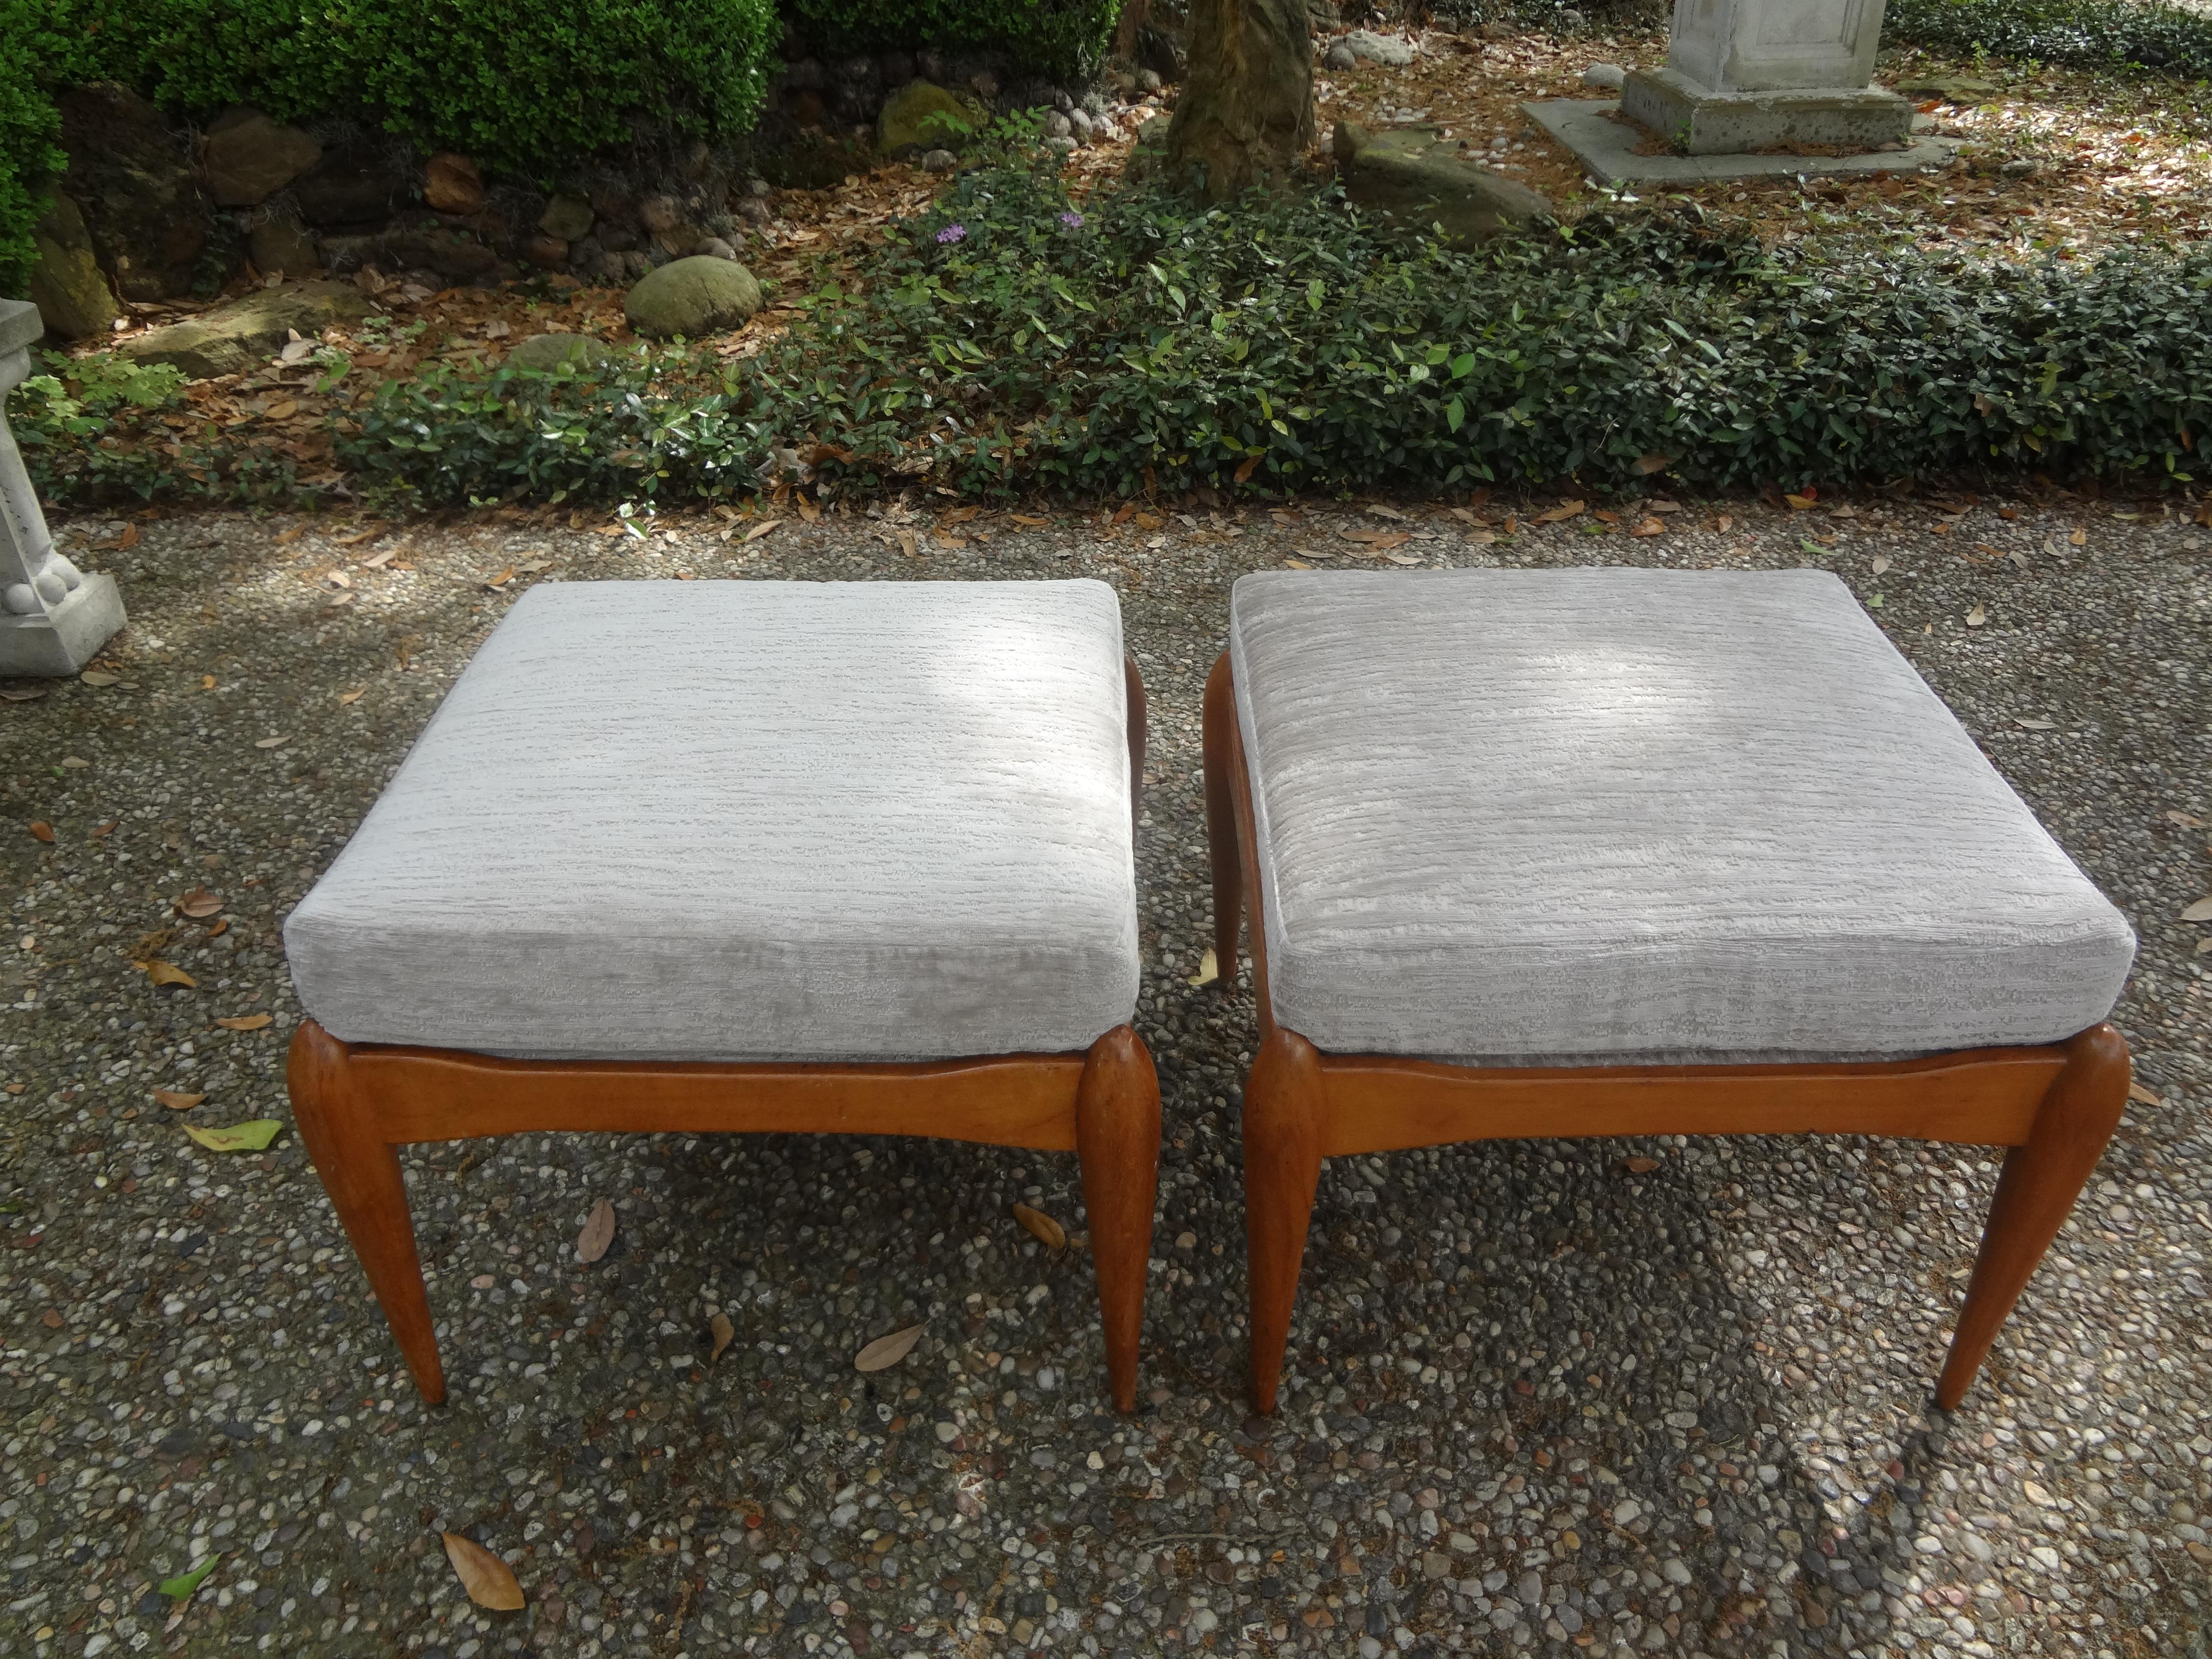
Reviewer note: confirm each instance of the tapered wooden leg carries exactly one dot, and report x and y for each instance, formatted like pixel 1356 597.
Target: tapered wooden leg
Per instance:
pixel 2040 1182
pixel 1117 1136
pixel 1284 1102
pixel 1221 819
pixel 361 1172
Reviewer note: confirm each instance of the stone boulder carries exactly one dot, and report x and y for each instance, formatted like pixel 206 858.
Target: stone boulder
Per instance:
pixel 1388 50
pixel 249 157
pixel 922 115
pixel 247 332
pixel 67 284
pixel 1414 180
pixel 547 352
pixel 693 297
pixel 569 217
pixel 451 184
pixel 134 182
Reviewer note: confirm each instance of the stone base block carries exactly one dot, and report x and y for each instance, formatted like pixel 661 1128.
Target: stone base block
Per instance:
pixel 1611 150
pixel 1702 122
pixel 68 636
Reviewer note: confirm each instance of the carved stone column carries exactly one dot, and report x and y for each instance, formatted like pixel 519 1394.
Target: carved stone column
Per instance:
pixel 1755 75
pixel 53 617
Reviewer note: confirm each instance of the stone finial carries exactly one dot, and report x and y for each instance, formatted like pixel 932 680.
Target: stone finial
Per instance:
pixel 53 617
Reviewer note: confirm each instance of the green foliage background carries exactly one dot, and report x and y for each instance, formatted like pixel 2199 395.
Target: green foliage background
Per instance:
pixel 2151 34
pixel 1060 39
pixel 524 85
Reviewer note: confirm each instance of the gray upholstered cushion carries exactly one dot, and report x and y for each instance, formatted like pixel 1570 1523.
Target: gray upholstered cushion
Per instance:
pixel 751 820
pixel 1559 814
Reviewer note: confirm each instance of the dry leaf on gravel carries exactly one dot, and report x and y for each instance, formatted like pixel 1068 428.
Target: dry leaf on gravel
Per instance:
pixel 598 1232
pixel 1641 1165
pixel 1042 1227
pixel 199 904
pixel 2200 911
pixel 100 676
pixel 244 1022
pixel 724 1334
pixel 177 1102
pixel 2143 1096
pixel 1655 462
pixel 253 1136
pixel 763 529
pixel 167 973
pixel 886 1352
pixel 1650 528
pixel 353 695
pixel 1560 513
pixel 41 830
pixel 1209 969
pixel 1977 616
pixel 2028 724
pixel 271 742
pixel 488 1580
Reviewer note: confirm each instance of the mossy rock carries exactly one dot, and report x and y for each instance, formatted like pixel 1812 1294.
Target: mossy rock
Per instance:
pixel 692 297
pixel 67 284
pixel 923 116
pixel 1417 181
pixel 247 332
pixel 584 353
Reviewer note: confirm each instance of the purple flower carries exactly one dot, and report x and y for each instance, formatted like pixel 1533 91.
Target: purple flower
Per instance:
pixel 1072 220
pixel 952 233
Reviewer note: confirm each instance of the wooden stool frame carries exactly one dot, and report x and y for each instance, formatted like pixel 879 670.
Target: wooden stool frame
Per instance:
pixel 357 1104
pixel 2054 1106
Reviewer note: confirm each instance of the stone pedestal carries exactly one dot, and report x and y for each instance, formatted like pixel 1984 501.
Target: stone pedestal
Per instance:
pixel 1751 75
pixel 53 617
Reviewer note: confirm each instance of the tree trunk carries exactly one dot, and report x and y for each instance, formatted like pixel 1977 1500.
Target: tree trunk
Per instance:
pixel 1131 25
pixel 1245 116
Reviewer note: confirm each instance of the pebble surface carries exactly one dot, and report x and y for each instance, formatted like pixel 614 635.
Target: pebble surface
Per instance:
pixel 1548 1397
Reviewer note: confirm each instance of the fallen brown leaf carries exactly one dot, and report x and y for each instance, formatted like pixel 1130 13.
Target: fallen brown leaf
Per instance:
pixel 100 676
pixel 358 537
pixel 1564 511
pixel 167 973
pixel 724 1334
pixel 1641 1165
pixel 41 830
pixel 1799 503
pixel 1247 467
pixel 1654 462
pixel 1977 616
pixel 808 511
pixel 598 1232
pixel 272 743
pixel 199 904
pixel 886 1352
pixel 245 1022
pixel 2143 1096
pixel 353 695
pixel 2200 911
pixel 2029 724
pixel 1650 528
pixel 1023 517
pixel 496 583
pixel 177 1102
pixel 1042 1227
pixel 488 1580
pixel 763 529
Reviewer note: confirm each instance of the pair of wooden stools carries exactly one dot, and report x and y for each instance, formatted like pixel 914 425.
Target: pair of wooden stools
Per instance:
pixel 1594 852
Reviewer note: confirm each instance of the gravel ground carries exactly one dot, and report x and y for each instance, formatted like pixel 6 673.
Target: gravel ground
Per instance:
pixel 1543 1397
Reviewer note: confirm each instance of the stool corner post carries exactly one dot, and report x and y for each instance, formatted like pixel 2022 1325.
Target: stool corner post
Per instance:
pixel 359 1171
pixel 1117 1135
pixel 1285 1105
pixel 2036 1191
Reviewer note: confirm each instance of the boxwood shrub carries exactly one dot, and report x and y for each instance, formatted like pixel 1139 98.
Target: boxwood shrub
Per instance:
pixel 1010 339
pixel 1061 39
pixel 2143 34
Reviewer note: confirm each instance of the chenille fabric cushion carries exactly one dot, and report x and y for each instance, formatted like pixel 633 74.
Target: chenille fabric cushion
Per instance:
pixel 739 821
pixel 1563 817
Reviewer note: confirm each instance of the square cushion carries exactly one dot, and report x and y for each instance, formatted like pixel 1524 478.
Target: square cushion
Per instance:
pixel 750 820
pixel 1568 816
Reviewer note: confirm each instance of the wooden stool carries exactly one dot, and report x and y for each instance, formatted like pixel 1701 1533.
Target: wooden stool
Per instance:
pixel 788 856
pixel 1612 851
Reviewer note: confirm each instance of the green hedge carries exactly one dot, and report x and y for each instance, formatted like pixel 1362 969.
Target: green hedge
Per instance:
pixel 523 85
pixel 27 157
pixel 2143 34
pixel 1061 39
